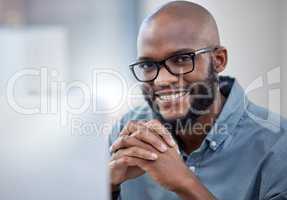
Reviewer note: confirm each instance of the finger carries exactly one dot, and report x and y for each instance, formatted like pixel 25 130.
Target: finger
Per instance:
pixel 131 127
pixel 135 152
pixel 151 138
pixel 128 161
pixel 159 128
pixel 127 141
pixel 144 134
pixel 124 161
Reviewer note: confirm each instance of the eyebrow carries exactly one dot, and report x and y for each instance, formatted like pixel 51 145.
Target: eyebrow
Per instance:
pixel 180 51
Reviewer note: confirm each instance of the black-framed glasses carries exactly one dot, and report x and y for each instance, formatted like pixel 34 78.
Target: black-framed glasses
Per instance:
pixel 178 64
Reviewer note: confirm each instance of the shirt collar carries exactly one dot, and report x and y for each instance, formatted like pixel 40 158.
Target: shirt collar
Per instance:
pixel 231 113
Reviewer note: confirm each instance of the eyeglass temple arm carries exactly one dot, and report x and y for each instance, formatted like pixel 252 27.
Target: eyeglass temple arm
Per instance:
pixel 208 49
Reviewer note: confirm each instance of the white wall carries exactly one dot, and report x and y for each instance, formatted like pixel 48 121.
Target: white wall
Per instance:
pixel 251 30
pixel 31 48
pixel 283 11
pixel 101 34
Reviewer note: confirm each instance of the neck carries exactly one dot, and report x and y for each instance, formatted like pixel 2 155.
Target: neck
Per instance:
pixel 192 137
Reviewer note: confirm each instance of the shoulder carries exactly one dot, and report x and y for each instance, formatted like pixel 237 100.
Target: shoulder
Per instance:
pixel 261 126
pixel 268 132
pixel 264 119
pixel 274 167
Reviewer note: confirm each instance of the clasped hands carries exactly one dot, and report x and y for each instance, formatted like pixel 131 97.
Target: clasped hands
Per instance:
pixel 148 147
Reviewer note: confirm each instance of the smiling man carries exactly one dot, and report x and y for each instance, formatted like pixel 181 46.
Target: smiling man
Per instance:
pixel 197 137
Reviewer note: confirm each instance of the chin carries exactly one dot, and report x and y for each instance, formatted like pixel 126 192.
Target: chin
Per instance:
pixel 172 115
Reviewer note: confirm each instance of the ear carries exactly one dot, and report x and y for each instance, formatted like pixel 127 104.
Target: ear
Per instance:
pixel 220 57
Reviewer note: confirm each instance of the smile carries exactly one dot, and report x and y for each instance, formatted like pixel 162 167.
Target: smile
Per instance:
pixel 170 97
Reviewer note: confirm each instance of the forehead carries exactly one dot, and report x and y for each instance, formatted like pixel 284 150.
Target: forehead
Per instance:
pixel 163 36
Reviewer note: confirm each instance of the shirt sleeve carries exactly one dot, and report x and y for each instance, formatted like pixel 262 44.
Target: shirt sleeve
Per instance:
pixel 274 171
pixel 281 196
pixel 116 195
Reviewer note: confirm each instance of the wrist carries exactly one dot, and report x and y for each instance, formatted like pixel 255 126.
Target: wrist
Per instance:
pixel 192 188
pixel 115 188
pixel 115 194
pixel 183 189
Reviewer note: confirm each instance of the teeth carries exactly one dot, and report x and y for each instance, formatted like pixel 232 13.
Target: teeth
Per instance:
pixel 171 97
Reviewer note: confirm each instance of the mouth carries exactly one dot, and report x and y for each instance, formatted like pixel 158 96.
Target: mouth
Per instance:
pixel 166 97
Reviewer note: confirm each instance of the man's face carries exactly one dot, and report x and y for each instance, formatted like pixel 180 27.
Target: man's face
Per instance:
pixel 177 97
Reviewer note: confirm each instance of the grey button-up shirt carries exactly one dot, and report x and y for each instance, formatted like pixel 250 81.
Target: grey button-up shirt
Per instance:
pixel 243 157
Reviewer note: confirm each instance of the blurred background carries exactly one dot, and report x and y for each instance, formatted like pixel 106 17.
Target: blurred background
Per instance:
pixel 73 40
pixel 77 37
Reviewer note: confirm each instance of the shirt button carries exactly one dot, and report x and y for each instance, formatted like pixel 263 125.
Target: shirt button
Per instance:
pixel 192 168
pixel 213 144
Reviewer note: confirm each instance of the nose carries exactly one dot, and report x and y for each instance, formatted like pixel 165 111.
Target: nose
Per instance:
pixel 165 78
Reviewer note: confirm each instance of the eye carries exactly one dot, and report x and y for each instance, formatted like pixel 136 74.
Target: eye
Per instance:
pixel 147 66
pixel 182 59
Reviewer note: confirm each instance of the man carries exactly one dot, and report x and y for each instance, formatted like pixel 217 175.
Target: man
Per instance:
pixel 198 137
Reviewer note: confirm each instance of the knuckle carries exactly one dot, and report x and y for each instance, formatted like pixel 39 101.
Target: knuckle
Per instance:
pixel 156 127
pixel 136 134
pixel 145 135
pixel 114 147
pixel 141 127
pixel 131 126
pixel 159 143
pixel 118 153
pixel 145 130
pixel 124 140
pixel 119 162
pixel 114 162
pixel 125 160
pixel 134 151
pixel 116 156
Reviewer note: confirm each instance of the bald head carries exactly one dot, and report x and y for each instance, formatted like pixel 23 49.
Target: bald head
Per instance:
pixel 180 22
